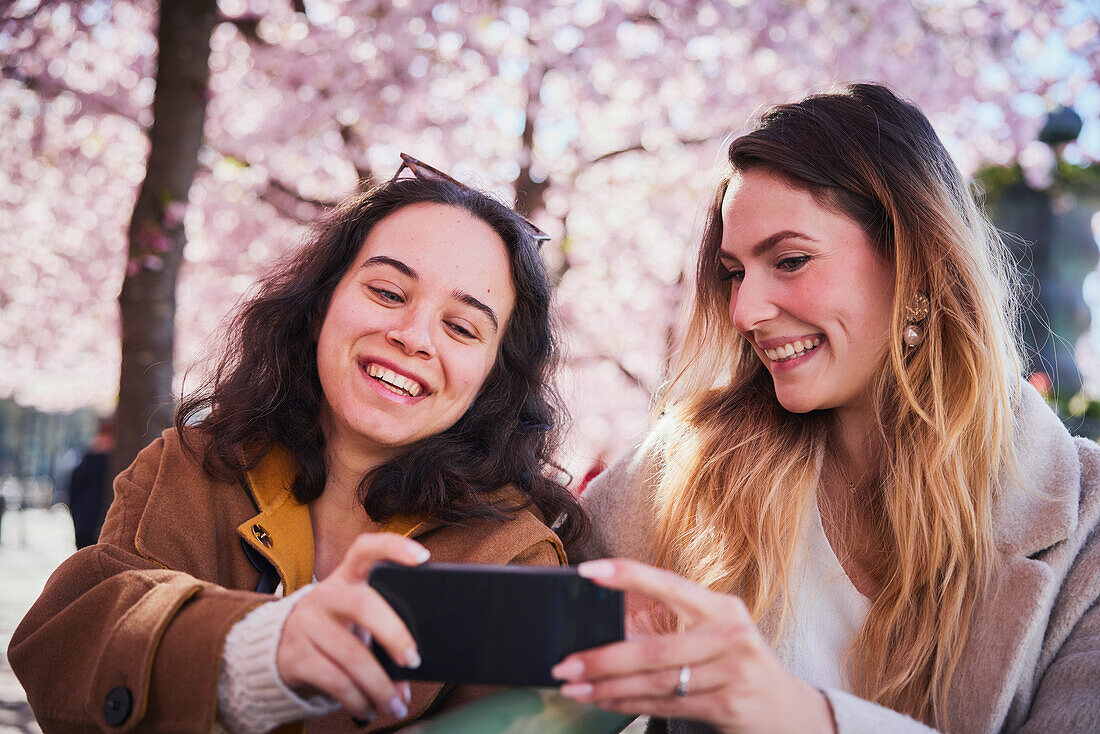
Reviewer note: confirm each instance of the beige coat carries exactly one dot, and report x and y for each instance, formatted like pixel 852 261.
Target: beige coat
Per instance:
pixel 127 635
pixel 1032 663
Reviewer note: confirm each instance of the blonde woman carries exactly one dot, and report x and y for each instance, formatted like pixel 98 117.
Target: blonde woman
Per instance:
pixel 868 520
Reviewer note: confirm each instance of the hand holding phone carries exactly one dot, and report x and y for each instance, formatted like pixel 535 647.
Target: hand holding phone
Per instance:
pixel 500 625
pixel 317 650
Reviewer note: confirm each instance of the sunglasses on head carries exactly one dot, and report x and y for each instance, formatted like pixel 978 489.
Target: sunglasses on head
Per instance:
pixel 423 171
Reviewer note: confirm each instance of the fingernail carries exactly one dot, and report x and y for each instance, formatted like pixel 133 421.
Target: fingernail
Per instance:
pixel 412 658
pixel 568 670
pixel 398 708
pixel 422 555
pixel 596 569
pixel 406 691
pixel 577 691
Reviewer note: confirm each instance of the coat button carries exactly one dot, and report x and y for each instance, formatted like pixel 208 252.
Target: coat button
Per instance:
pixel 116 709
pixel 261 535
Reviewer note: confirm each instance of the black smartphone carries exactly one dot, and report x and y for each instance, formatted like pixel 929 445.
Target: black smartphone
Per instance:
pixel 498 625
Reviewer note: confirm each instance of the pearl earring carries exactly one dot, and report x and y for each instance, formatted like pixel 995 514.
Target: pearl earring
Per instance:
pixel 916 312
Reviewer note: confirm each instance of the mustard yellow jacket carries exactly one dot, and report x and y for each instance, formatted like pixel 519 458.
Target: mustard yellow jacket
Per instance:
pixel 127 634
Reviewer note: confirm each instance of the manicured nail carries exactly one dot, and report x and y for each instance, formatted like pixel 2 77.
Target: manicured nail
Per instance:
pixel 577 691
pixel 412 658
pixel 406 691
pixel 568 670
pixel 398 708
pixel 422 555
pixel 596 569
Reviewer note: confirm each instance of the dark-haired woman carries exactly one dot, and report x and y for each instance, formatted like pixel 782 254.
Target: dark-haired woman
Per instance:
pixel 866 519
pixel 384 396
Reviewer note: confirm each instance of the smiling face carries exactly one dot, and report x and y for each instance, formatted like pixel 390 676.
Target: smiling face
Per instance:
pixel 808 291
pixel 412 329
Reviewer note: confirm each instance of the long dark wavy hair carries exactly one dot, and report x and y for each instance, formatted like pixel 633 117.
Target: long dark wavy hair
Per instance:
pixel 265 389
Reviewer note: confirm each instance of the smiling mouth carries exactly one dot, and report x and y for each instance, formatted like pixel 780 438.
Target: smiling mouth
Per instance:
pixel 395 383
pixel 793 350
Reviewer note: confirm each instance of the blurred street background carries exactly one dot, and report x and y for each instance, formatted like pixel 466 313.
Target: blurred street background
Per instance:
pixel 155 157
pixel 32 543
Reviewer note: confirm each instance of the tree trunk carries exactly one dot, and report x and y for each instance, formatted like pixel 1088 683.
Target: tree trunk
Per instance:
pixel 147 303
pixel 529 192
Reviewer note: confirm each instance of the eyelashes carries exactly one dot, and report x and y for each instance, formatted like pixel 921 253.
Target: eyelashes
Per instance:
pixel 789 264
pixel 393 298
pixel 795 262
pixel 386 295
pixel 730 275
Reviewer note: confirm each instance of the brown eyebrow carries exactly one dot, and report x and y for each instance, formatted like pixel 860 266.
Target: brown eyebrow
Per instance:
pixel 473 302
pixel 461 296
pixel 769 242
pixel 395 264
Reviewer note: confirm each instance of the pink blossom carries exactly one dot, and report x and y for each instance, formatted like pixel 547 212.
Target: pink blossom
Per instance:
pixel 174 213
pixel 152 262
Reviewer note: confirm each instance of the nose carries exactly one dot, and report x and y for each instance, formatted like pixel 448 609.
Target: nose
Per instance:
pixel 413 335
pixel 752 303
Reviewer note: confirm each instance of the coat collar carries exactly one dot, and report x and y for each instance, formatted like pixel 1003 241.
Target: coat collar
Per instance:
pixel 1038 503
pixel 1036 507
pixel 282 531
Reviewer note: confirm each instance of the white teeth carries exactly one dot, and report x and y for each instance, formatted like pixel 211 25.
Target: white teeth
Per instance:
pixel 792 349
pixel 393 380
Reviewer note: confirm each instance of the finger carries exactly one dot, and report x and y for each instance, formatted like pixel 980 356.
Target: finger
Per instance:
pixel 355 661
pixel 642 654
pixel 662 683
pixel 687 707
pixel 369 548
pixel 317 670
pixel 687 599
pixel 358 605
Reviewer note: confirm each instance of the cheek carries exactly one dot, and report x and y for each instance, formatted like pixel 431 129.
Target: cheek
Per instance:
pixel 467 375
pixel 801 299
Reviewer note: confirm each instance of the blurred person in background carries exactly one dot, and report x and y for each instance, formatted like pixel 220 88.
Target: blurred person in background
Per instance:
pixel 385 395
pixel 860 517
pixel 89 486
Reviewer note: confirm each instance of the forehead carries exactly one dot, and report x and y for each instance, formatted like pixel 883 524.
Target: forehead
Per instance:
pixel 448 248
pixel 758 193
pixel 758 204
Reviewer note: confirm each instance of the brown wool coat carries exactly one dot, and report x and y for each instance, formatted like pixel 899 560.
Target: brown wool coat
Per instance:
pixel 1032 663
pixel 137 622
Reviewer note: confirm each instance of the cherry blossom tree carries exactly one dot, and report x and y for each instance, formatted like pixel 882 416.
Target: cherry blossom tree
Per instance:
pixel 147 302
pixel 603 120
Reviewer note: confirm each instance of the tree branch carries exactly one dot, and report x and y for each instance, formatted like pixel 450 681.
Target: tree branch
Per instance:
pixel 632 378
pixel 364 176
pixel 49 88
pixel 638 147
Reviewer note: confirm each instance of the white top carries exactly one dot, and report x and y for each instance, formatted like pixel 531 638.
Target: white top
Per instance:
pixel 826 611
pixel 252 698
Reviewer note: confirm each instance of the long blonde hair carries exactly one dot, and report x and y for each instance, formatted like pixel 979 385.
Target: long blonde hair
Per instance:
pixel 735 483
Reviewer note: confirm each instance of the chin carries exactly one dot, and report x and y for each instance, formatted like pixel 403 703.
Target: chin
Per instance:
pixel 796 403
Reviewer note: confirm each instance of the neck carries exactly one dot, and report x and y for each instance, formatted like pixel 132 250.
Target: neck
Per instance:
pixel 845 501
pixel 850 440
pixel 337 516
